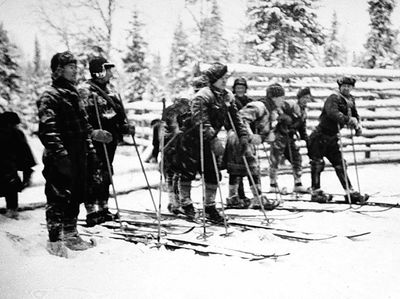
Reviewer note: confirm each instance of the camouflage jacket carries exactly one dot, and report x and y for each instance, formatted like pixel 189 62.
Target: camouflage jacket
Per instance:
pixel 62 118
pixel 212 107
pixel 337 110
pixel 112 116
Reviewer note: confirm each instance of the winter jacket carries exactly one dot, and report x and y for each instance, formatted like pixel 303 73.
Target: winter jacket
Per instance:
pixel 292 119
pixel 337 110
pixel 211 107
pixel 256 118
pixel 62 119
pixel 112 116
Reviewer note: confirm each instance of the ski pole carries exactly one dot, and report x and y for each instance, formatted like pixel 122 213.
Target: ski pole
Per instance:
pixel 249 172
pixel 220 193
pixel 355 160
pixel 344 166
pixel 138 154
pixel 108 165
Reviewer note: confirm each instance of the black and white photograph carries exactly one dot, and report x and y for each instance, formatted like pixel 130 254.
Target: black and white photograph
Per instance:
pixel 192 149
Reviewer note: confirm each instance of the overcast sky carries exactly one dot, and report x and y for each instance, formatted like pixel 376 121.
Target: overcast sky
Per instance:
pixel 160 17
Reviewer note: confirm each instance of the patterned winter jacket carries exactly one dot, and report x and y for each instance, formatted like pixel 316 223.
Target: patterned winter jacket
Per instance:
pixel 62 119
pixel 211 106
pixel 112 116
pixel 292 119
pixel 337 110
pixel 257 119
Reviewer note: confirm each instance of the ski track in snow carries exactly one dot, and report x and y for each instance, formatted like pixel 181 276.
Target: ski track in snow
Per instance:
pixel 365 267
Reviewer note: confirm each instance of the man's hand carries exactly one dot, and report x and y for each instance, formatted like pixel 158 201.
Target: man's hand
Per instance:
pixel 255 139
pixel 216 147
pixel 353 123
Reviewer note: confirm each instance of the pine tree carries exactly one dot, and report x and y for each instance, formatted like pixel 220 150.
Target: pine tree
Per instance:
pixel 287 33
pixel 215 47
pixel 9 69
pixel 211 46
pixel 180 61
pixel 334 52
pixel 135 61
pixel 381 43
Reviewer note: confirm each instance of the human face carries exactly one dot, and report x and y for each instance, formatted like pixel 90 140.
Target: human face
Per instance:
pixel 304 100
pixel 278 101
pixel 240 90
pixel 70 72
pixel 345 89
pixel 221 82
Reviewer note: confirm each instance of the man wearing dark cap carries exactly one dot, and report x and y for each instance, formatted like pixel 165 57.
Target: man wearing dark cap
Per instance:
pixel 66 134
pixel 239 89
pixel 211 106
pixel 291 123
pixel 110 115
pixel 339 110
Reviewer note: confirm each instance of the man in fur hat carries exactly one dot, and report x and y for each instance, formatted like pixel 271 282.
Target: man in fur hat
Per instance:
pixel 339 110
pixel 67 136
pixel 213 106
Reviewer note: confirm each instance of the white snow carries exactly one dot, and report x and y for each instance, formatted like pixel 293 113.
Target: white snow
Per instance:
pixel 337 268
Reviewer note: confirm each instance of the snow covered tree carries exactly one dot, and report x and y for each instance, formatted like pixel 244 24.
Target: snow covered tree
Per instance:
pixel 381 42
pixel 135 63
pixel 37 58
pixel 334 52
pixel 156 85
pixel 212 45
pixel 180 61
pixel 9 69
pixel 287 32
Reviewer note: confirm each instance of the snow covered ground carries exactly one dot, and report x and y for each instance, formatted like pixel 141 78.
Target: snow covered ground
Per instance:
pixel 365 267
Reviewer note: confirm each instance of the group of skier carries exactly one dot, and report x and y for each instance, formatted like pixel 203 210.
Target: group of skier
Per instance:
pixel 81 126
pixel 192 143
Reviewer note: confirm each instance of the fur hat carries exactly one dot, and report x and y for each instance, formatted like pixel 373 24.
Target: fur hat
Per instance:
pixel 61 60
pixel 98 65
pixel 239 81
pixel 303 92
pixel 346 80
pixel 215 72
pixel 275 90
pixel 9 118
pixel 200 82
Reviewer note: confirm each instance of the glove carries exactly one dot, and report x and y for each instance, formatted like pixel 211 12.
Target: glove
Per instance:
pixel 216 147
pixel 102 136
pixel 271 137
pixel 359 131
pixel 128 129
pixel 352 123
pixel 244 145
pixel 209 133
pixel 255 139
pixel 64 166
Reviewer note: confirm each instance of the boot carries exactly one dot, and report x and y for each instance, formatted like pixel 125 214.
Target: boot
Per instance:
pixel 57 248
pixel 299 188
pixel 93 219
pixel 357 198
pixel 173 209
pixel 320 196
pixel 213 215
pixel 189 211
pixel 274 188
pixel 76 243
pixel 107 215
pixel 268 203
pixel 234 202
